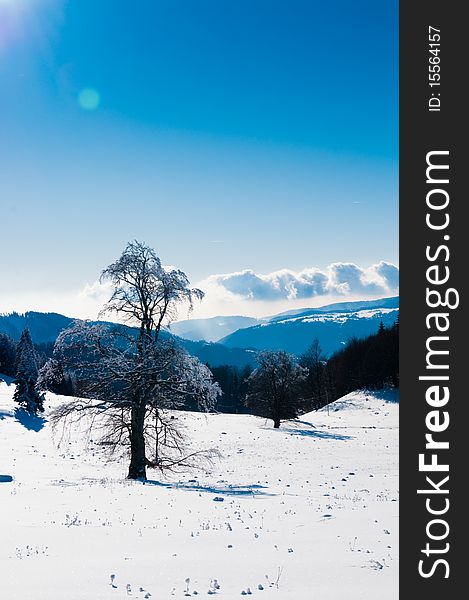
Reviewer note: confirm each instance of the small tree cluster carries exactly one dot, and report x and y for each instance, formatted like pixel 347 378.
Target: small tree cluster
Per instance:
pixel 233 383
pixel 371 362
pixel 316 382
pixel 281 388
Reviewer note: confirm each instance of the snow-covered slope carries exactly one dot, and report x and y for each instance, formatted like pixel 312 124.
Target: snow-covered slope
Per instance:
pixel 392 302
pixel 294 333
pixel 220 328
pixel 306 511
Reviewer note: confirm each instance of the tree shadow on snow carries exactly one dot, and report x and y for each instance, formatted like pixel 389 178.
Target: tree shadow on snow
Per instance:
pixel 228 490
pixel 388 395
pixel 4 414
pixel 300 422
pixel 314 433
pixel 30 422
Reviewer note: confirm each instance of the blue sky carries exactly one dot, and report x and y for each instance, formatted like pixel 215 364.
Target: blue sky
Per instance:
pixel 256 134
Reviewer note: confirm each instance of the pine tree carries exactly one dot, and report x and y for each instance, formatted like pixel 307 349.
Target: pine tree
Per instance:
pixel 7 355
pixel 314 360
pixel 26 393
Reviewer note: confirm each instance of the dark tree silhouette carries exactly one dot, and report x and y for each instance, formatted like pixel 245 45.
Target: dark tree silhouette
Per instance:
pixel 233 383
pixel 26 394
pixel 275 387
pixel 371 362
pixel 7 355
pixel 314 360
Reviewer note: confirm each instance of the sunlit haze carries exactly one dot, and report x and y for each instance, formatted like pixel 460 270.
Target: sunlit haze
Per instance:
pixel 255 148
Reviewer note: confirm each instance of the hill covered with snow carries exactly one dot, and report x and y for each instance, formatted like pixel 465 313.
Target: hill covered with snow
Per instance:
pixel 333 326
pixel 234 340
pixel 306 511
pixel 227 329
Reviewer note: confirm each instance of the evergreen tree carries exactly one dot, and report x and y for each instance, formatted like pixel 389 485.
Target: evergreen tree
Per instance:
pixel 233 383
pixel 53 378
pixel 371 362
pixel 26 393
pixel 7 355
pixel 315 361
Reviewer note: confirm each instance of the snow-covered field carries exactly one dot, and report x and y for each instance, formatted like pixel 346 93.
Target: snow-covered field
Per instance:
pixel 309 511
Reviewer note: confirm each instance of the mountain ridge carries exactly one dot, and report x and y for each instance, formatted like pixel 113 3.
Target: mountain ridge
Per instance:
pixel 292 331
pixel 45 328
pixel 219 328
pixel 333 328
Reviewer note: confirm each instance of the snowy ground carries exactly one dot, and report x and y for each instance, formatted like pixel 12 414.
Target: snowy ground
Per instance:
pixel 309 511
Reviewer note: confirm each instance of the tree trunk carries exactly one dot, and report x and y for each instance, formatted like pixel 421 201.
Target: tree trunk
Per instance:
pixel 276 423
pixel 137 468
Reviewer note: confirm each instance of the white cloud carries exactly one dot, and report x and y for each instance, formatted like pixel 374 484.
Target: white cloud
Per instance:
pixel 83 303
pixel 338 279
pixel 239 293
pixel 97 291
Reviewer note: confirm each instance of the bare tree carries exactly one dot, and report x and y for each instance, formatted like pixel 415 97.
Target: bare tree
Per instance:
pixel 133 376
pixel 275 387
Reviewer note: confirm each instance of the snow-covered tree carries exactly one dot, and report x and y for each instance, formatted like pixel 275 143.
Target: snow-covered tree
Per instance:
pixel 133 376
pixel 27 393
pixel 53 378
pixel 275 387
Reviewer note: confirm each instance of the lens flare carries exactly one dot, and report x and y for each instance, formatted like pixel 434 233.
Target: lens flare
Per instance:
pixel 10 22
pixel 89 99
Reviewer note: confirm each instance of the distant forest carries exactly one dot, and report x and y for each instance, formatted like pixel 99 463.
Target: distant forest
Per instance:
pixel 371 362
